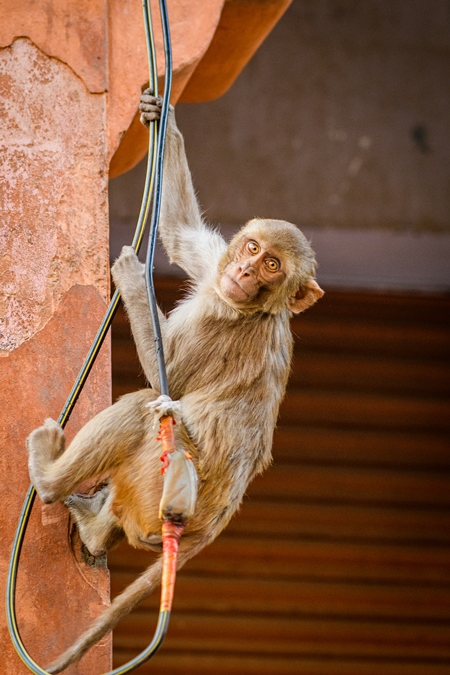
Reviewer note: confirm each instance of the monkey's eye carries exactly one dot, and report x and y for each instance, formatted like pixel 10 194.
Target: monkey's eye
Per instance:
pixel 253 247
pixel 272 264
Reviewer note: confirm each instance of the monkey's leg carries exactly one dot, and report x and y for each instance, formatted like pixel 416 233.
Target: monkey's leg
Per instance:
pixel 98 527
pixel 105 442
pixel 188 242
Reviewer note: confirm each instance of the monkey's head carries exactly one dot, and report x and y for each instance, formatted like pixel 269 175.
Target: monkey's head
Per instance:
pixel 268 266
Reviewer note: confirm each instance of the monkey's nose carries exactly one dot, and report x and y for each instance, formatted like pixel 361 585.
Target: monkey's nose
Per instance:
pixel 246 269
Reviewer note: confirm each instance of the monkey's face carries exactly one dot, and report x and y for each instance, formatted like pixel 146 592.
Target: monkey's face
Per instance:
pixel 255 267
pixel 269 266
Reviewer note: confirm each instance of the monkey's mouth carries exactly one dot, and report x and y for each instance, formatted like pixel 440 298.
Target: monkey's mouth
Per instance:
pixel 233 289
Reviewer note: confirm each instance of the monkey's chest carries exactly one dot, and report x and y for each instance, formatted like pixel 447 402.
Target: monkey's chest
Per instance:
pixel 214 355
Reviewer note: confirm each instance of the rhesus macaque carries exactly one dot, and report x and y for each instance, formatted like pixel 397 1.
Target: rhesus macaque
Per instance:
pixel 228 348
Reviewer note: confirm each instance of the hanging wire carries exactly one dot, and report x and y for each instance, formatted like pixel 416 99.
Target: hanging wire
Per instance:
pixel 164 388
pixel 154 171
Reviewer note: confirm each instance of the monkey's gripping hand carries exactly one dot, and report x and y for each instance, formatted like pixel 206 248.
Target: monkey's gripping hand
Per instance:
pixel 127 271
pixel 149 107
pixel 163 406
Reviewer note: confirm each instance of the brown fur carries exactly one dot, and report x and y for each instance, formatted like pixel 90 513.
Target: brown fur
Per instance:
pixel 228 364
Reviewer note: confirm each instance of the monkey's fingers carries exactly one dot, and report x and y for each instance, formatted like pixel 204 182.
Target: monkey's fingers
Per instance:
pixel 150 107
pixel 148 92
pixel 126 264
pixel 150 100
pixel 150 116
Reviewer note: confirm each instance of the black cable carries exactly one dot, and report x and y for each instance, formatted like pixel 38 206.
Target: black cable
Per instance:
pixel 164 387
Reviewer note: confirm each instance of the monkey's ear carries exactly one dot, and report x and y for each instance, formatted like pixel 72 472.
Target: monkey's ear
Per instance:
pixel 305 297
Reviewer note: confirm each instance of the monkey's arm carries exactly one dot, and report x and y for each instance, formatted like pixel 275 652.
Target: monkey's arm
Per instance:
pixel 129 276
pixel 188 241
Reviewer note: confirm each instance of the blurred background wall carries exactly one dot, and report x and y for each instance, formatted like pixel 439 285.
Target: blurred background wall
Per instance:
pixel 338 563
pixel 339 124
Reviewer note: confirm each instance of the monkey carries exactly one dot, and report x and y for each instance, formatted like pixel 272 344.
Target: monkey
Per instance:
pixel 228 348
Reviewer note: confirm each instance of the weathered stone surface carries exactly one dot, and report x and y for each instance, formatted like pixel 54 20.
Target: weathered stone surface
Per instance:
pixel 53 190
pixel 72 31
pixel 57 594
pixel 53 235
pixel 104 44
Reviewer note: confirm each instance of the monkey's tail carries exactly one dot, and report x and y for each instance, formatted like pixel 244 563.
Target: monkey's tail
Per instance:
pixel 120 606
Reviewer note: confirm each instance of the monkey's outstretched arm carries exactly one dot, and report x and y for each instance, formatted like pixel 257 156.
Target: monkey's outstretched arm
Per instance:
pixel 129 276
pixel 188 241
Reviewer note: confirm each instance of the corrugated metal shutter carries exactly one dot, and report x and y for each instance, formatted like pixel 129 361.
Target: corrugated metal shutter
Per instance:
pixel 339 561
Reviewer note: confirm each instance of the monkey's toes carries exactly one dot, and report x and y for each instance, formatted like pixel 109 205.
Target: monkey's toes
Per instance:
pixel 47 441
pixel 48 432
pixel 80 504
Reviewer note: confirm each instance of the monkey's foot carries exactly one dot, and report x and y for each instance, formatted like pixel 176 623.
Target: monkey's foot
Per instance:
pixel 163 406
pixel 97 526
pixel 81 505
pixel 44 444
pixel 47 441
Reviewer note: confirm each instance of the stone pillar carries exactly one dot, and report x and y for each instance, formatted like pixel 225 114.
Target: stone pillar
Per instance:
pixel 54 288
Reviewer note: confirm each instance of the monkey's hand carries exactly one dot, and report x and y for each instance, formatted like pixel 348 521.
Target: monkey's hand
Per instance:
pixel 127 269
pixel 150 107
pixel 164 405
